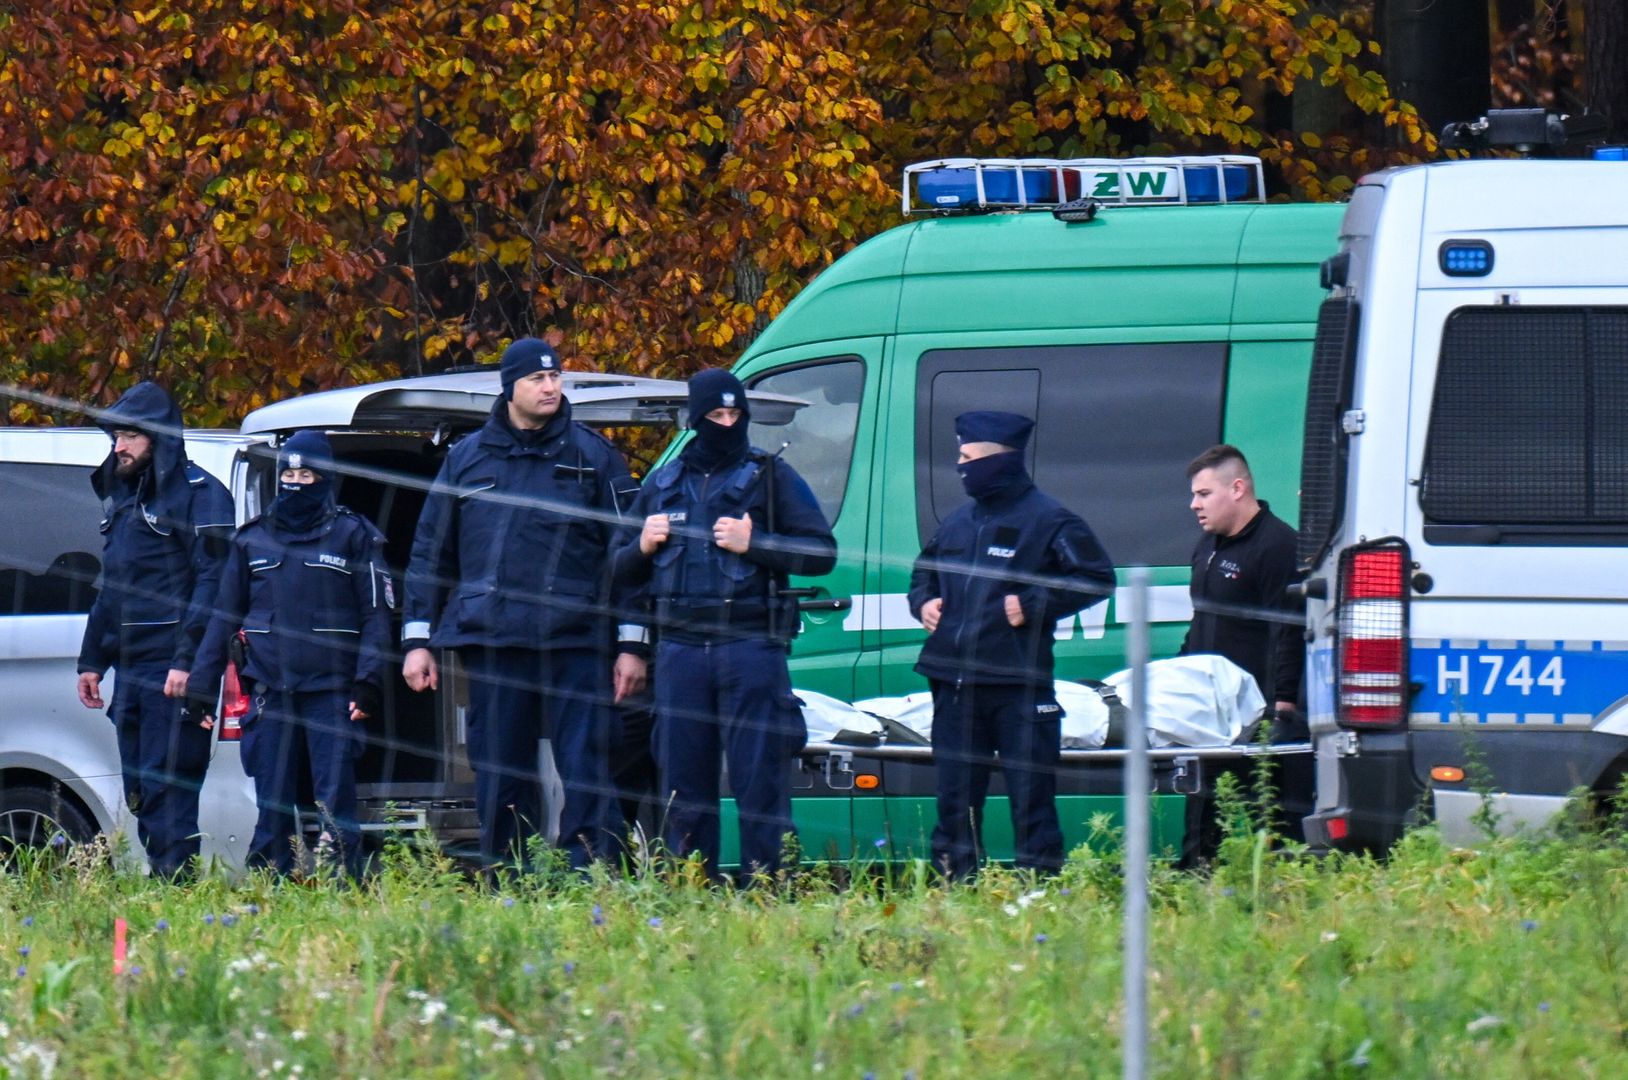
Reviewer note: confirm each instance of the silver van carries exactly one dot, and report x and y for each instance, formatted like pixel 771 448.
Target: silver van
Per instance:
pixel 59 762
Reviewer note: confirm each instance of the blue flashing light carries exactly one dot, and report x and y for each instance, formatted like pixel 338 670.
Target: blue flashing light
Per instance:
pixel 1466 258
pixel 1611 153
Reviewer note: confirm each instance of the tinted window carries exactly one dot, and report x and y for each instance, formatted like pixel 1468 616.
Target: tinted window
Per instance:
pixel 1526 427
pixel 1115 428
pixel 50 544
pixel 820 438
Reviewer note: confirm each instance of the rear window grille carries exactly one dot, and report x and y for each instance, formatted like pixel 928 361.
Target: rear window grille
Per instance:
pixel 1527 424
pixel 1322 487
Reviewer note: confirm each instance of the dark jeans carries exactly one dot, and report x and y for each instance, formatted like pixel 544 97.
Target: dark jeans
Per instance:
pixel 286 736
pixel 163 759
pixel 731 700
pixel 515 697
pixel 971 724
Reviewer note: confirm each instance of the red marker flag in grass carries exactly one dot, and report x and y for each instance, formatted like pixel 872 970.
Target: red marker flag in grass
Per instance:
pixel 119 946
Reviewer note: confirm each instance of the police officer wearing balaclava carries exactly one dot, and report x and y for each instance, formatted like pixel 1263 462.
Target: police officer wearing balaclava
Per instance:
pixel 990 587
pixel 724 525
pixel 167 525
pixel 307 584
pixel 510 569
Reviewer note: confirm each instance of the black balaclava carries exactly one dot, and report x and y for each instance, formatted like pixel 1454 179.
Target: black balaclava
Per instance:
pixel 994 477
pixel 716 444
pixel 998 476
pixel 299 508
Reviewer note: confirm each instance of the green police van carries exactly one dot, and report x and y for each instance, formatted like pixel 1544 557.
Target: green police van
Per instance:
pixel 1141 310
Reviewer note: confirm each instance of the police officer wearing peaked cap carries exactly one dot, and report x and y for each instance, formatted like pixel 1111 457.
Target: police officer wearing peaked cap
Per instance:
pixel 723 527
pixel 509 568
pixel 990 587
pixel 167 525
pixel 308 585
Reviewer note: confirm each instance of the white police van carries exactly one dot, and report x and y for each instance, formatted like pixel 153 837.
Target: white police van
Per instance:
pixel 59 762
pixel 1464 513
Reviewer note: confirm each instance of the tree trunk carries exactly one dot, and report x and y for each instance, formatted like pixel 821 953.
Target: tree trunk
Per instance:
pixel 1605 32
pixel 1437 56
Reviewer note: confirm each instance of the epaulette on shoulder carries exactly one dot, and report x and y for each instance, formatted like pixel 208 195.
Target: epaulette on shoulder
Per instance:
pixel 197 475
pixel 363 522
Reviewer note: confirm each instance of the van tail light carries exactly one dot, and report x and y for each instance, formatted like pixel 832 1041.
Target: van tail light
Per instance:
pixel 234 704
pixel 1372 647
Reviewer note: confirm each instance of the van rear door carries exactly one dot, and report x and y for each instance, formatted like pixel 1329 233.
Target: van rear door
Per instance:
pixel 1518 461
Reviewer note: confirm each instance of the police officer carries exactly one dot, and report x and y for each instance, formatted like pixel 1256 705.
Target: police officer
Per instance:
pixel 167 524
pixel 307 584
pixel 509 567
pixel 723 527
pixel 990 587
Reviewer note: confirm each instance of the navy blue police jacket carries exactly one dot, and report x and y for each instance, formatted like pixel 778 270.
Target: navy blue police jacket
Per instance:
pixel 513 544
pixel 1025 544
pixel 700 591
pixel 313 605
pixel 165 536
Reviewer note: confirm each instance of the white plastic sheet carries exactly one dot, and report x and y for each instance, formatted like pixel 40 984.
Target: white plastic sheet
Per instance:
pixel 1085 714
pixel 827 718
pixel 1196 701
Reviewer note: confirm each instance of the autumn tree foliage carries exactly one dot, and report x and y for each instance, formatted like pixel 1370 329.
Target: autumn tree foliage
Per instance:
pixel 254 198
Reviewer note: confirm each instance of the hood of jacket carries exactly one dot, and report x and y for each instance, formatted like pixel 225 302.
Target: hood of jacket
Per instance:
pixel 146 407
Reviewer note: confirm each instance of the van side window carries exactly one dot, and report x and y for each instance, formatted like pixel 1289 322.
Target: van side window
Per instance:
pixel 50 546
pixel 820 437
pixel 1115 428
pixel 1526 426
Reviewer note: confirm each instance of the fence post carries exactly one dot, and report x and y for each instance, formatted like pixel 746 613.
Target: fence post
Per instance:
pixel 1135 1037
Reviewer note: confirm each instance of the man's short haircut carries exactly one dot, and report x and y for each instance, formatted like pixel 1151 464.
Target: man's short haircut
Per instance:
pixel 1217 456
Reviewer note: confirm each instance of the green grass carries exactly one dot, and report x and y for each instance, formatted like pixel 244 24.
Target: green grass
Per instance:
pixel 1507 962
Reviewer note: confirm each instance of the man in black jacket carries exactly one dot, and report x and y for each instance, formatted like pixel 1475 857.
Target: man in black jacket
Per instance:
pixel 1242 567
pixel 509 569
pixel 990 587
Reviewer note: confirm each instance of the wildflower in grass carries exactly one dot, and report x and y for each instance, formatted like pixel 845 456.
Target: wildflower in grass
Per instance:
pixel 569 966
pixel 58 840
pixel 23 950
pixel 1329 935
pixel 1014 967
pixel 1543 1006
pixel 1228 891
pixel 528 968
pixel 297 1035
pixel 21 970
pixel 136 970
pixel 433 1010
pixel 599 916
pixel 1040 939
pixel 180 973
pixel 1065 892
pixel 895 987
pixel 209 918
pixel 228 920
pixel 1484 1022
pixel 1010 909
pixel 1529 925
pixel 856 1009
pixel 655 922
pixel 253 909
pixel 508 901
pixel 869 1075
pixel 162 925
pixel 28 920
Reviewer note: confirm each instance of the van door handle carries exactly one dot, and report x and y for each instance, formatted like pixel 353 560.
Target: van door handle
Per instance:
pixel 833 603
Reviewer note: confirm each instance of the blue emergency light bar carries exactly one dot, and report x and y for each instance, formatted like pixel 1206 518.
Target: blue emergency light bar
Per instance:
pixel 1019 183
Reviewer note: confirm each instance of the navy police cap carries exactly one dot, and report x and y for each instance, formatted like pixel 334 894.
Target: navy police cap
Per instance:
pixel 984 425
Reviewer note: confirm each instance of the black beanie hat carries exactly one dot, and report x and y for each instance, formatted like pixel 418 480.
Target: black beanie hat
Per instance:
pixel 306 450
pixel 527 356
pixel 716 388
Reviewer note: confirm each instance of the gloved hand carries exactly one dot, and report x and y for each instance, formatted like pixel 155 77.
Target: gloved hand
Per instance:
pixel 366 700
pixel 198 708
